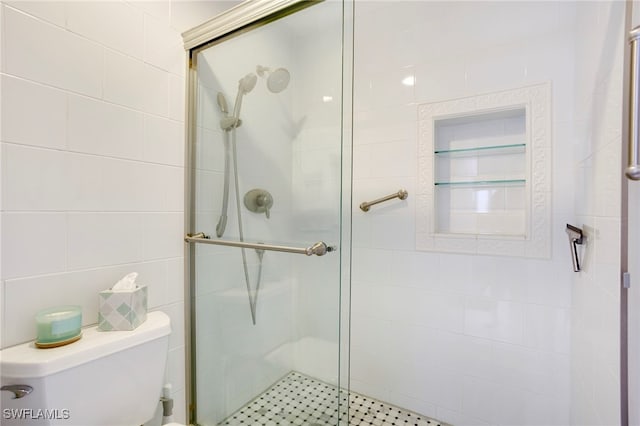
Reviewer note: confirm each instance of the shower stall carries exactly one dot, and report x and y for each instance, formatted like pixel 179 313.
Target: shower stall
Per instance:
pixel 486 291
pixel 269 187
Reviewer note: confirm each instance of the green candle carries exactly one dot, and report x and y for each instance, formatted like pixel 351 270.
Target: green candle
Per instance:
pixel 59 323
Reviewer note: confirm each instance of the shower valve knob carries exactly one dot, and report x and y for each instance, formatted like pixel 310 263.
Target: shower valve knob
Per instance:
pixel 259 201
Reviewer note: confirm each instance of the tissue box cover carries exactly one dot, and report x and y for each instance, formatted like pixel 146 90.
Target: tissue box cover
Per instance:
pixel 122 310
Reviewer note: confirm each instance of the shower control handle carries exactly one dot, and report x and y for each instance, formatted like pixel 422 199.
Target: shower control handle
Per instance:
pixel 259 201
pixel 266 202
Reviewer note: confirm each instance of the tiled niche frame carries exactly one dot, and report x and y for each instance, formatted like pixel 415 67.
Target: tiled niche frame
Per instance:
pixel 535 241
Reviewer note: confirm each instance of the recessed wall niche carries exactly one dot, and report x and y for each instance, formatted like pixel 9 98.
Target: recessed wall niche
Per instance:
pixel 484 174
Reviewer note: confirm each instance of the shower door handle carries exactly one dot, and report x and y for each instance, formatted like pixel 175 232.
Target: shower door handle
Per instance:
pixel 633 169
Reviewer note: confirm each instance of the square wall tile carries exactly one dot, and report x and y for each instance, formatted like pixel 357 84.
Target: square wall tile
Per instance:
pixel 163 46
pixel 72 62
pixel 115 24
pixel 175 364
pixel 132 83
pixel 177 98
pixel 34 178
pixel 101 128
pixel 496 320
pixel 547 328
pixel 49 11
pixel 33 244
pixel 86 182
pixel 176 313
pixel 164 141
pixel 33 114
pixel 175 280
pixel 159 9
pixel 162 235
pixel 99 239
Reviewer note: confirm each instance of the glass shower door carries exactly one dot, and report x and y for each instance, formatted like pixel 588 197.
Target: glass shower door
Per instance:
pixel 266 165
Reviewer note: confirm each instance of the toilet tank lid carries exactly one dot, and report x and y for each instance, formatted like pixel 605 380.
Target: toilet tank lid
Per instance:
pixel 27 361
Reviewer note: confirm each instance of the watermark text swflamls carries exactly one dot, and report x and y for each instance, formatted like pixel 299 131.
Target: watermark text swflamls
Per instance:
pixel 36 414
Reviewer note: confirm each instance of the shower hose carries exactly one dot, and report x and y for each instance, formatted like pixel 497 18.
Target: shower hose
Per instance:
pixel 253 295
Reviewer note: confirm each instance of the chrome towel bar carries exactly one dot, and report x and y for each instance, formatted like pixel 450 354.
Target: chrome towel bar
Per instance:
pixel 401 194
pixel 319 248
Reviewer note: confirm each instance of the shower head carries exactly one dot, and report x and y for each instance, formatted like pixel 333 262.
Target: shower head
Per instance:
pixel 277 80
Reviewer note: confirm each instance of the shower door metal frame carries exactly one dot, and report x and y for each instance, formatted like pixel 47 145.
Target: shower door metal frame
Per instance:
pixel 242 18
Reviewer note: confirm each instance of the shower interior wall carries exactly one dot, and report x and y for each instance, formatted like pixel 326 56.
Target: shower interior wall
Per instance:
pixel 474 339
pixel 288 144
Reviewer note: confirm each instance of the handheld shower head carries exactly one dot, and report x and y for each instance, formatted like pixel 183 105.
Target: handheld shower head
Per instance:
pixel 277 80
pixel 247 83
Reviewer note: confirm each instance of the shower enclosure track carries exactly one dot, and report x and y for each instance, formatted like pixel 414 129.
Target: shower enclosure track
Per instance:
pixel 319 249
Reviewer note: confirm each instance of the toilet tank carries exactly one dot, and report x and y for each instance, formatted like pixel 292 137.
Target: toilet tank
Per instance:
pixel 107 378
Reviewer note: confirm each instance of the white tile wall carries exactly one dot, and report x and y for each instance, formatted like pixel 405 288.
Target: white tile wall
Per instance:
pixel 33 114
pixel 49 11
pixel 594 312
pixel 163 141
pixel 484 339
pixel 100 128
pixel 132 83
pixel 21 257
pixel 34 178
pixel 92 160
pixel 163 46
pixel 74 63
pixel 97 20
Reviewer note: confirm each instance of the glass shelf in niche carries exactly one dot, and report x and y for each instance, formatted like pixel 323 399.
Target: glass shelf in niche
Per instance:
pixel 483 182
pixel 493 150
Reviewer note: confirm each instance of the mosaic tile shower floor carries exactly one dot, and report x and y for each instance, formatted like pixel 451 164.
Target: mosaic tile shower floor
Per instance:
pixel 300 400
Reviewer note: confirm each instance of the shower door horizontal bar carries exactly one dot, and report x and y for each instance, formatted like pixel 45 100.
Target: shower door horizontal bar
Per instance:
pixel 319 248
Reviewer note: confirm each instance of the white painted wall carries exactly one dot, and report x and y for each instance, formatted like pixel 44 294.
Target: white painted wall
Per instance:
pixel 92 158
